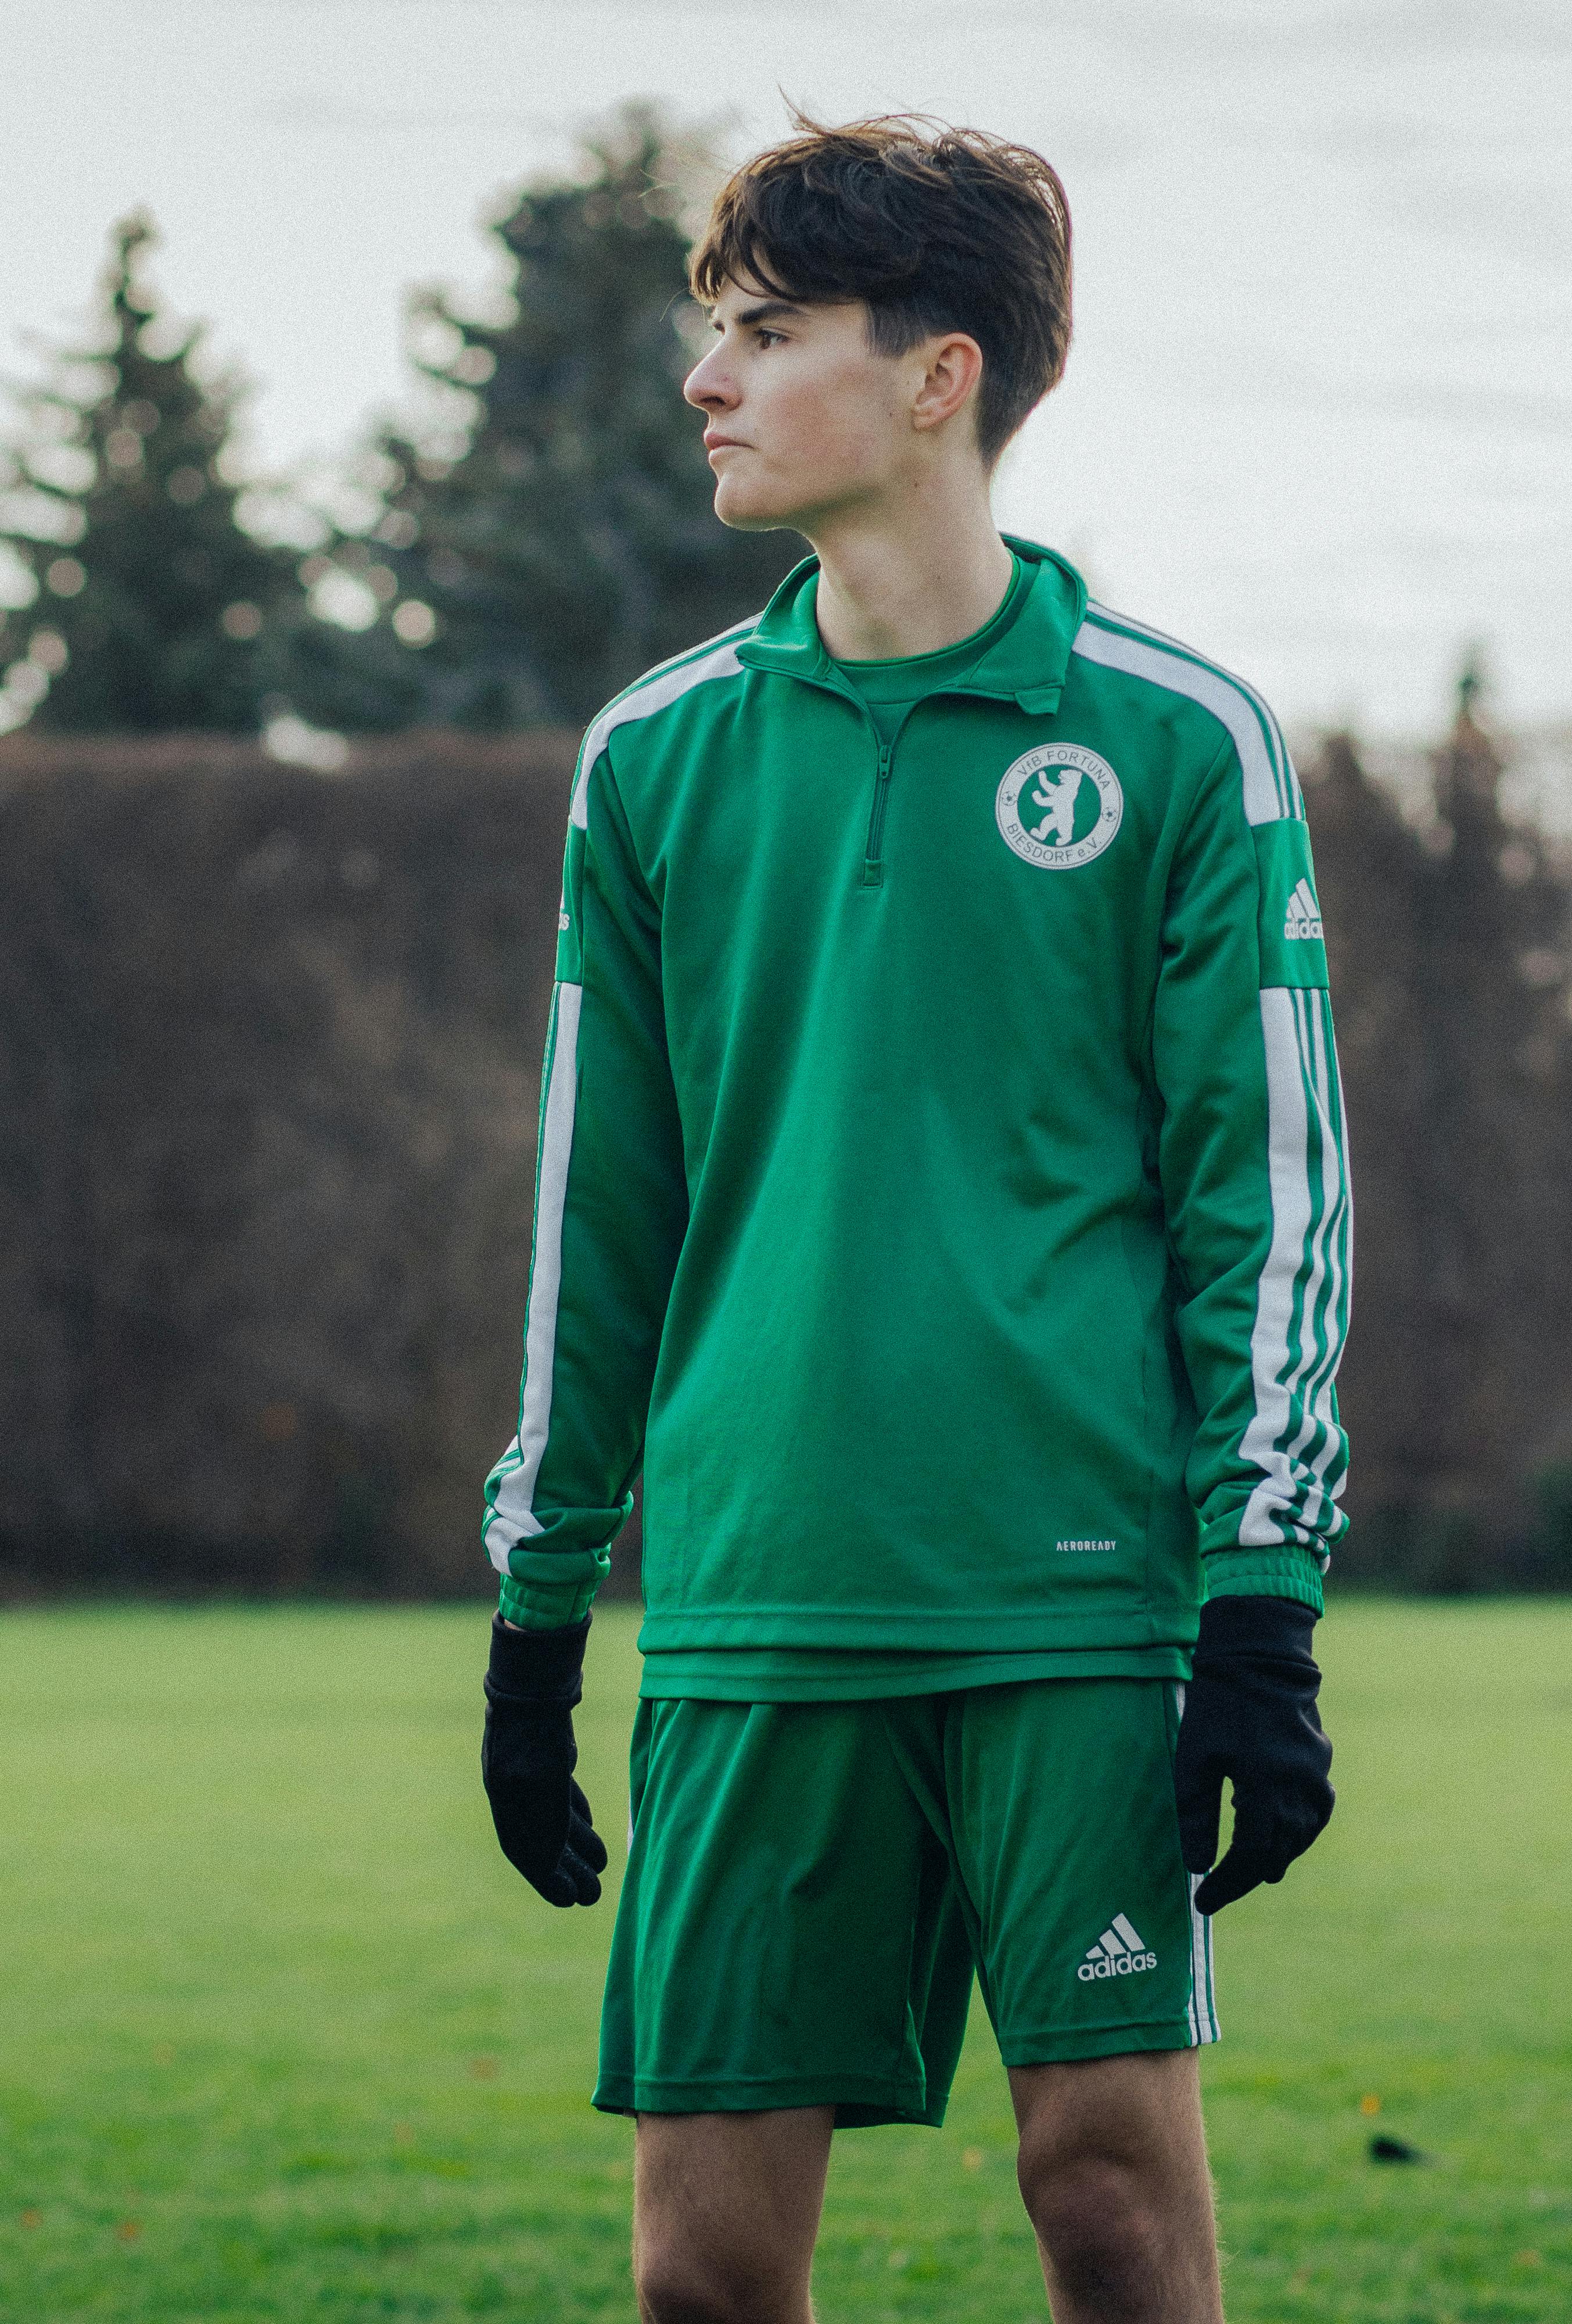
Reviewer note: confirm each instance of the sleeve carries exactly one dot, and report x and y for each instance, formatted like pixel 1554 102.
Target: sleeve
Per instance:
pixel 1254 1168
pixel 610 1209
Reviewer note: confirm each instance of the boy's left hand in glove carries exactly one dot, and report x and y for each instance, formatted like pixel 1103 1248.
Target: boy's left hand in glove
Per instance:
pixel 1250 1716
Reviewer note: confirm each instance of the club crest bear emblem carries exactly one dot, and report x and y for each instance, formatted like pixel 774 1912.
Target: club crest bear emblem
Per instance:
pixel 1059 806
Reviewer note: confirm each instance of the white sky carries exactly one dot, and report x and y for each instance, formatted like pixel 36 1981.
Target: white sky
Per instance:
pixel 1319 414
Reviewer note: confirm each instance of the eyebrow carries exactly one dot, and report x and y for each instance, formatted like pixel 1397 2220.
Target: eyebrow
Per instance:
pixel 764 310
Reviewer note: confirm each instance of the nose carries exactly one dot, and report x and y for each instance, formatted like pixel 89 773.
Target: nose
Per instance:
pixel 707 386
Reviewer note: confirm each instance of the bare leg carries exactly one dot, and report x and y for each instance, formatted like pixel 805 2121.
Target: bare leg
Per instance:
pixel 725 2210
pixel 1113 2172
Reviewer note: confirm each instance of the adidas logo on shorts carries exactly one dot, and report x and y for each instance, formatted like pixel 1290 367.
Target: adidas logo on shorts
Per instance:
pixel 1118 1952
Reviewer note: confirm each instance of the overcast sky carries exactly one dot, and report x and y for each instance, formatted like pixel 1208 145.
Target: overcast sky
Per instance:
pixel 1319 413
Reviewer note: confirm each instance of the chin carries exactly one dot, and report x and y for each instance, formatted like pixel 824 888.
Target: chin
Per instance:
pixel 749 511
pixel 750 519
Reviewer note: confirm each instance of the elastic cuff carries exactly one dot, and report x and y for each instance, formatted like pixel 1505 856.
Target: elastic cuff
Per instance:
pixel 1287 1572
pixel 534 1607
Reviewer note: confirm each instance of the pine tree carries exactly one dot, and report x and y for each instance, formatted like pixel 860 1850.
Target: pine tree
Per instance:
pixel 154 605
pixel 570 540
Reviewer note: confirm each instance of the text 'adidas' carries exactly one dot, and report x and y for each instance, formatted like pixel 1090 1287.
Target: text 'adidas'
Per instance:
pixel 1118 1952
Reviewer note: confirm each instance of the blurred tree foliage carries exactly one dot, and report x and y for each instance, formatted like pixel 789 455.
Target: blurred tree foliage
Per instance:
pixel 155 608
pixel 540 536
pixel 563 537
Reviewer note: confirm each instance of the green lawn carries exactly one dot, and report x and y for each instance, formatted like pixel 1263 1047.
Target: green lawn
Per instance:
pixel 283 2036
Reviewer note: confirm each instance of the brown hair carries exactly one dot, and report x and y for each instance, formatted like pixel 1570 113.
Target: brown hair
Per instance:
pixel 934 228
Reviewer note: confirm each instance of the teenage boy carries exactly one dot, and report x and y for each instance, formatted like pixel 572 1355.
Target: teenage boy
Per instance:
pixel 942 1194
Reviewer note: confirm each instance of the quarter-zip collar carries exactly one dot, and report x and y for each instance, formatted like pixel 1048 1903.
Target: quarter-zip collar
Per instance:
pixel 1026 665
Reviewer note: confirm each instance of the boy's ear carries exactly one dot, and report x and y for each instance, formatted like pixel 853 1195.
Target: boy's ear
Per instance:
pixel 954 371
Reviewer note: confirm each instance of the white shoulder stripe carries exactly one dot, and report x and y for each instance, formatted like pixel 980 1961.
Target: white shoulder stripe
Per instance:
pixel 1278 748
pixel 656 693
pixel 1268 796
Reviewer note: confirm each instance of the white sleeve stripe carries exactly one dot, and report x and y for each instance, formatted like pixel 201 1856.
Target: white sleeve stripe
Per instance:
pixel 513 1518
pixel 1268 794
pixel 1326 1297
pixel 656 693
pixel 1308 1382
pixel 1308 1239
pixel 1287 1129
pixel 1334 1197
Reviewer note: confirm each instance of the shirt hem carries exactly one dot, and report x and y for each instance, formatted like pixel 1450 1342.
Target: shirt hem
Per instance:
pixel 711 1681
pixel 972 1630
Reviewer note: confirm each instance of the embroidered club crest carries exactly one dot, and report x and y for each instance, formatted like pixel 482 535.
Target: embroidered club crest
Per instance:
pixel 1059 806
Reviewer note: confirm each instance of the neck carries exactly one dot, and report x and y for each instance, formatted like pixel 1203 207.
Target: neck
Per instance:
pixel 910 575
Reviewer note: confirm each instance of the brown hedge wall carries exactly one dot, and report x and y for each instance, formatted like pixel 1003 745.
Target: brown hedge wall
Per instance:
pixel 268 1095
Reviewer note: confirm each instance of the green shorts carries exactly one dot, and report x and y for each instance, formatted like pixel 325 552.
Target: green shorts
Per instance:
pixel 810 1888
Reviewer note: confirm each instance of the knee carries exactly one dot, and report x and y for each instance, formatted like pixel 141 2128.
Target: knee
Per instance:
pixel 1096 2223
pixel 671 2293
pixel 690 2288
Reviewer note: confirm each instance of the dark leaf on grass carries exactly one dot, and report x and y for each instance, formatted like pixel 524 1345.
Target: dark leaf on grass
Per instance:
pixel 1395 2150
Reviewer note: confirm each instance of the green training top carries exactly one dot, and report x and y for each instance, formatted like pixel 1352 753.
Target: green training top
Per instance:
pixel 941 1184
pixel 890 687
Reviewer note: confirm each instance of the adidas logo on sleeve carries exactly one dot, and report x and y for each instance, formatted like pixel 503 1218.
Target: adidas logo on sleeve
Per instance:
pixel 1304 915
pixel 1118 1952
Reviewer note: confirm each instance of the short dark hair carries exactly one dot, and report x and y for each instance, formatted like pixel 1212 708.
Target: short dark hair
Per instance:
pixel 934 228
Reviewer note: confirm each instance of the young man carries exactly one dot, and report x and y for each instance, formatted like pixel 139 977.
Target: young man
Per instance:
pixel 942 1194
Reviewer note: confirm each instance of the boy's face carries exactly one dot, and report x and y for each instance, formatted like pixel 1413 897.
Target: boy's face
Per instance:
pixel 806 421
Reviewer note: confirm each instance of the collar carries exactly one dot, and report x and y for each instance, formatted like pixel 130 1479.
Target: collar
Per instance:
pixel 1026 665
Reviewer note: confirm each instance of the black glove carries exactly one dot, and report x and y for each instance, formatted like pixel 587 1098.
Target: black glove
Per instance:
pixel 528 1756
pixel 1250 1713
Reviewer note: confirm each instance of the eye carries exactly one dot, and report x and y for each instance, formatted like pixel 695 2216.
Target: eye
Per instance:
pixel 767 338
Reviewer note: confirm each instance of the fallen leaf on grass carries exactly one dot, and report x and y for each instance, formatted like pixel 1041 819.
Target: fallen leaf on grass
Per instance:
pixel 1395 2150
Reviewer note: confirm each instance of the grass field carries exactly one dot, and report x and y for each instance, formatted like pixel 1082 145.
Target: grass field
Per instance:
pixel 283 2036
